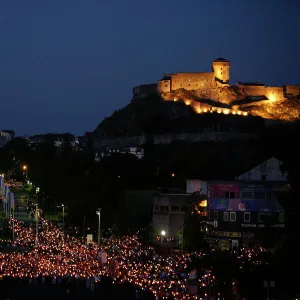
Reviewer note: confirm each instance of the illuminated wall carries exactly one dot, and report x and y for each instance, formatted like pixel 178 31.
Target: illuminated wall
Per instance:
pixel 164 86
pixel 221 70
pixel 272 93
pixel 293 90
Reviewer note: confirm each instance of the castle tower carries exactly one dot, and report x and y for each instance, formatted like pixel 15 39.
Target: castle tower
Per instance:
pixel 221 68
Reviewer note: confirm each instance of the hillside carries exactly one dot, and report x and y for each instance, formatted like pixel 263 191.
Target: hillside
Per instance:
pixel 233 100
pixel 152 115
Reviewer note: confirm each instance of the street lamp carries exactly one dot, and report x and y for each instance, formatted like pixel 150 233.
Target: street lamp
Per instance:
pixel 24 168
pixel 163 233
pixel 98 212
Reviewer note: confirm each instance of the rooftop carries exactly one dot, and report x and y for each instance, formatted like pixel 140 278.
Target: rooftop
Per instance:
pixel 222 59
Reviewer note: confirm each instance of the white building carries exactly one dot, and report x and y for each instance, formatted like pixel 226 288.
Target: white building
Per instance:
pixel 269 170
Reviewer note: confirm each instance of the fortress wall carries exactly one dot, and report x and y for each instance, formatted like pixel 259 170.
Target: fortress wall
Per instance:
pixel 193 81
pixel 205 108
pixel 274 93
pixel 293 89
pixel 253 90
pixel 164 86
pixel 145 90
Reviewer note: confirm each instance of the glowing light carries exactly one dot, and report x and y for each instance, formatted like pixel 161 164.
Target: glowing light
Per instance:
pixel 234 112
pixel 203 203
pixel 163 233
pixel 24 167
pixel 239 113
pixel 188 102
pixel 226 111
pixel 245 113
pixel 219 111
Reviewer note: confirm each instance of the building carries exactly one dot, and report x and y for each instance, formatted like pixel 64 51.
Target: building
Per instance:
pixel 168 214
pixel 269 170
pixel 211 83
pixel 135 151
pixel 239 211
pixel 6 136
pixel 219 77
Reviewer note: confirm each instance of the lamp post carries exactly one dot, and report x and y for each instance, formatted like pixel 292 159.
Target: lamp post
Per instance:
pixel 25 171
pixel 163 233
pixel 98 212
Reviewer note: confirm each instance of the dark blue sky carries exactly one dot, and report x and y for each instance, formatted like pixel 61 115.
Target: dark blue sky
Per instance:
pixel 66 64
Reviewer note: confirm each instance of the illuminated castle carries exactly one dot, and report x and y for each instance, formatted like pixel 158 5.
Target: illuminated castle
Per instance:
pixel 193 88
pixel 194 81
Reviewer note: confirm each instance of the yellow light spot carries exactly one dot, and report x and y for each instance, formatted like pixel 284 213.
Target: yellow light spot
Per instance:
pixel 226 111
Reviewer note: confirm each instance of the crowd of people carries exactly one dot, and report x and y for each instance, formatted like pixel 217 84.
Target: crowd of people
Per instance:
pixel 55 256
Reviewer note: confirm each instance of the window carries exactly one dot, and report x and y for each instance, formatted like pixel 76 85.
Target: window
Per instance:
pixel 281 217
pixel 232 216
pixel 182 209
pixel 226 216
pixel 175 209
pixel 164 209
pixel 246 216
pixel 216 216
pixel 229 195
pixel 261 217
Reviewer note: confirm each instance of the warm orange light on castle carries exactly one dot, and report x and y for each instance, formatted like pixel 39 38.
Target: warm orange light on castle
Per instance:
pixel 242 99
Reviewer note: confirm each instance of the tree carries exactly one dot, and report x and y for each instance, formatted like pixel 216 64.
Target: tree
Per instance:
pixel 192 234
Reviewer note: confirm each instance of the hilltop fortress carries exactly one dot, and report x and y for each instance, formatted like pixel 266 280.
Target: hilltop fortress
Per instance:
pixel 195 89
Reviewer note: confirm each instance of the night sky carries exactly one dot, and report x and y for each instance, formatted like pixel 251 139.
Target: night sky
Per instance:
pixel 67 64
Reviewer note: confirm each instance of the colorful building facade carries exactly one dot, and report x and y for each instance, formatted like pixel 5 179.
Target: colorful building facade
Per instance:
pixel 238 212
